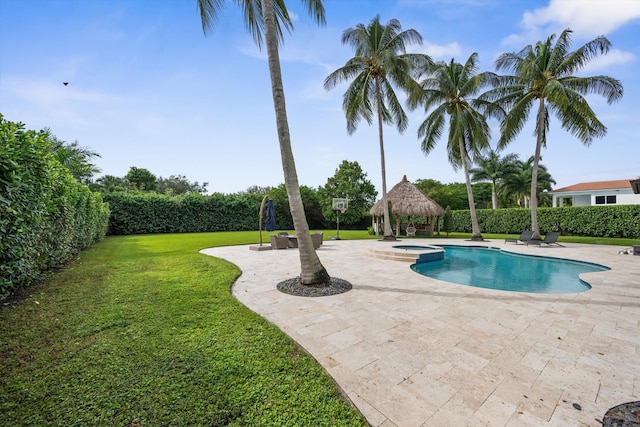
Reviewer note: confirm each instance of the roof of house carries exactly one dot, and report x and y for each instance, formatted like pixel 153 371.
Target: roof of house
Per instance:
pixel 597 185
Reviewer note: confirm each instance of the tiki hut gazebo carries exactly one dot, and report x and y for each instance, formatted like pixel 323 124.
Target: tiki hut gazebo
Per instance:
pixel 407 199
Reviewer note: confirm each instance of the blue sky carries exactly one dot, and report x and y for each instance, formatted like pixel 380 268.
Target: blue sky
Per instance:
pixel 148 89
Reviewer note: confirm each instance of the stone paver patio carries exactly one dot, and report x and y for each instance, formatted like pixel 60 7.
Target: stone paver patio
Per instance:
pixel 409 350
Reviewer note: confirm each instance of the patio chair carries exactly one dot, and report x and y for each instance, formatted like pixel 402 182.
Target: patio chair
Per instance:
pixel 411 231
pixel 550 239
pixel 525 236
pixel 316 238
pixel 279 242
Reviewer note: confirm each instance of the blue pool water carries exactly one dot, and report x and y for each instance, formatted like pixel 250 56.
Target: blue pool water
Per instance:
pixel 490 268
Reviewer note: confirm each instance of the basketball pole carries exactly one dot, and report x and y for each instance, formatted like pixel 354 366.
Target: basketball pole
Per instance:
pixel 339 205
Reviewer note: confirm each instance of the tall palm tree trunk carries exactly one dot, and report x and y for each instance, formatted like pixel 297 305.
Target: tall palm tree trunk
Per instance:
pixel 475 227
pixel 533 198
pixel 388 234
pixel 494 195
pixel 312 270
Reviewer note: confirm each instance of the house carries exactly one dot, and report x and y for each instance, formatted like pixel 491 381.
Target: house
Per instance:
pixel 599 193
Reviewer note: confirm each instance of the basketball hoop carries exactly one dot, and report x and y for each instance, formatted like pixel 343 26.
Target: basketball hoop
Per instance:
pixel 339 205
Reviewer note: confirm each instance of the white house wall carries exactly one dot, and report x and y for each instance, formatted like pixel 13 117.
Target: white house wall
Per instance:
pixel 582 200
pixel 629 199
pixel 588 198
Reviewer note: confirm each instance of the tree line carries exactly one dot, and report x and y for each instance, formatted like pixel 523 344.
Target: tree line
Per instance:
pixel 499 181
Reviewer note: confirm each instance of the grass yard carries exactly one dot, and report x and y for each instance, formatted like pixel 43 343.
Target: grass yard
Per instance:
pixel 143 331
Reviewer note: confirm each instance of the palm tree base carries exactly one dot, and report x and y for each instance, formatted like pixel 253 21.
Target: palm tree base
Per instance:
pixel 478 238
pixel 294 287
pixel 389 238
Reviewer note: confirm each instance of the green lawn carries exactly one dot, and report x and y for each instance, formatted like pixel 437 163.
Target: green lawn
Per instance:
pixel 143 331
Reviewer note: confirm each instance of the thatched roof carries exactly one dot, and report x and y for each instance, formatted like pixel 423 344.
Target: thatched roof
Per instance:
pixel 407 199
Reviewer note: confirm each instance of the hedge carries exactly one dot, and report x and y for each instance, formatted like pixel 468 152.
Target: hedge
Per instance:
pixel 144 213
pixel 46 216
pixel 621 221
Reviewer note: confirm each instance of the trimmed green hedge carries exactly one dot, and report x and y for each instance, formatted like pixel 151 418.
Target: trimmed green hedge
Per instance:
pixel 46 216
pixel 145 213
pixel 621 221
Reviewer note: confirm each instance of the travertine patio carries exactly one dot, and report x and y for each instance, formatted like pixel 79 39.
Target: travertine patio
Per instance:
pixel 413 351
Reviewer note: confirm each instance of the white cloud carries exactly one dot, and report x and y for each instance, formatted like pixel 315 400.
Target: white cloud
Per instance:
pixel 587 19
pixel 614 57
pixel 445 52
pixel 590 19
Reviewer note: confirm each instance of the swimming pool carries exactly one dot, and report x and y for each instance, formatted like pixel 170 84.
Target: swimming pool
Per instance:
pixel 491 268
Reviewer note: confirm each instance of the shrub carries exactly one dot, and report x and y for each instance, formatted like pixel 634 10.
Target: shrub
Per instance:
pixel 447 221
pixel 46 216
pixel 145 213
pixel 621 221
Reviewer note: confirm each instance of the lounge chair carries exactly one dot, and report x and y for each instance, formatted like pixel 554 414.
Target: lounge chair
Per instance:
pixel 525 236
pixel 316 238
pixel 550 239
pixel 279 242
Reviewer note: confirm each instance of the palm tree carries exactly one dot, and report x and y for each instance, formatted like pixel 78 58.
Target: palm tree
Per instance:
pixel 267 16
pixel 493 168
pixel 110 183
pixel 517 184
pixel 76 158
pixel 450 89
pixel 543 76
pixel 380 62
